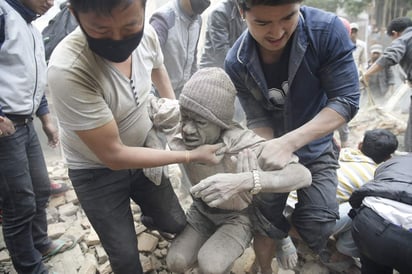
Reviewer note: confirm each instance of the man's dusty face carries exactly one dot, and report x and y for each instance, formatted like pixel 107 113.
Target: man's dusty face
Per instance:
pixel 272 26
pixel 196 130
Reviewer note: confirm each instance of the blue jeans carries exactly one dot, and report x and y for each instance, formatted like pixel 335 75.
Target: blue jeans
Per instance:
pixel 105 196
pixel 317 209
pixel 25 190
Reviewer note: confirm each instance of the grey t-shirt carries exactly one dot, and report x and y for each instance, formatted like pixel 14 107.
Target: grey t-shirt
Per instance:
pixel 89 92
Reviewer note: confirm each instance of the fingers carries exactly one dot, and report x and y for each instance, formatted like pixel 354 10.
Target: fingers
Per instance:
pixel 214 203
pixel 53 143
pixel 197 189
pixel 221 149
pixel 7 132
pixel 247 161
pixel 211 197
pixel 252 159
pixel 219 152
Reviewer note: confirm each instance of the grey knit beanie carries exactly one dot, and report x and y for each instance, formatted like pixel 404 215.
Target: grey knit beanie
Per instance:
pixel 211 94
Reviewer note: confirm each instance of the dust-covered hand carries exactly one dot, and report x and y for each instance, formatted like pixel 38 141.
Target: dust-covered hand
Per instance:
pixel 364 80
pixel 229 190
pixel 222 190
pixel 51 131
pixel 207 154
pixel 164 113
pixel 275 154
pixel 6 126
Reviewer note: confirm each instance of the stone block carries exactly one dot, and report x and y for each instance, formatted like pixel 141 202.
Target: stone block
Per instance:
pixel 147 242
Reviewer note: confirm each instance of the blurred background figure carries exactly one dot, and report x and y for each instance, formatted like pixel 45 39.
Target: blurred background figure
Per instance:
pixel 399 52
pixel 360 52
pixel 224 26
pixel 381 84
pixel 178 24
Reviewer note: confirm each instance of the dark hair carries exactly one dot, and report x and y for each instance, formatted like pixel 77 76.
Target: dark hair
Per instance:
pixel 379 144
pixel 248 4
pixel 102 7
pixel 398 25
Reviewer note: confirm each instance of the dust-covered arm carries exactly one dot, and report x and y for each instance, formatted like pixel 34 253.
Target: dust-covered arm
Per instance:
pixel 219 188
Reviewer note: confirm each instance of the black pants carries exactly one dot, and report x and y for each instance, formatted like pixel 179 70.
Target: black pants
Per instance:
pixel 383 246
pixel 105 197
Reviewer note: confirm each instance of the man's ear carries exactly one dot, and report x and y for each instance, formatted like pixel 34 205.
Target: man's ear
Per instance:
pixel 360 145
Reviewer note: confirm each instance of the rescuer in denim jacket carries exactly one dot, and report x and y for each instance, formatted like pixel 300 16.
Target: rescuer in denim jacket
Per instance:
pixel 297 82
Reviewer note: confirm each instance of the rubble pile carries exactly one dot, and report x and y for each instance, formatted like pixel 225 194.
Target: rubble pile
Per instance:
pixel 375 116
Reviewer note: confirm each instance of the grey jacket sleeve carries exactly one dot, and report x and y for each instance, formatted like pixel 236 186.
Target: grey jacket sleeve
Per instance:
pixel 393 54
pixel 218 35
pixel 162 22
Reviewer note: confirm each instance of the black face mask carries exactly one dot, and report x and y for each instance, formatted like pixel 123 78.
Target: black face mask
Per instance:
pixel 115 50
pixel 199 6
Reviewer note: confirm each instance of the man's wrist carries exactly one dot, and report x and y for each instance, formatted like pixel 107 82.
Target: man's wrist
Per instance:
pixel 257 187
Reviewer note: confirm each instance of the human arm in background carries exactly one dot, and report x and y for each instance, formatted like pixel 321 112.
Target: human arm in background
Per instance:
pixel 221 187
pixel 371 70
pixel 391 56
pixel 47 123
pixel 50 130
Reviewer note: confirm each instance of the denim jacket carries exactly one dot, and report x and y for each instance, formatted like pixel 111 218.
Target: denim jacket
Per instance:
pixel 322 73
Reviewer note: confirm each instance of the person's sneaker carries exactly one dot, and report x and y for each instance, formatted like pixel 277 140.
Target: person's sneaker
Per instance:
pixel 58 189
